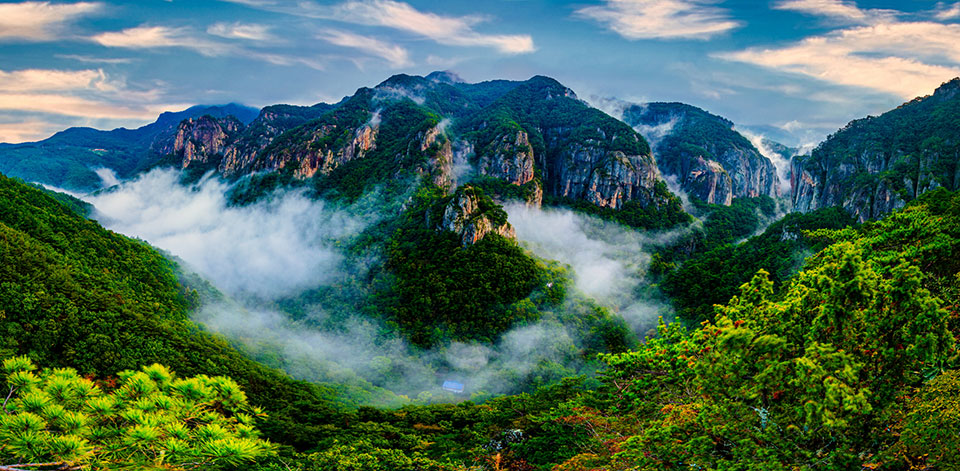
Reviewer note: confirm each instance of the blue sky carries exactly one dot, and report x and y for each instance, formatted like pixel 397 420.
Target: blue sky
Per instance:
pixel 801 68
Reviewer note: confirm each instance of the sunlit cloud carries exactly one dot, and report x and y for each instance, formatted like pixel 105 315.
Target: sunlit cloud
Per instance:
pixel 88 94
pixel 25 131
pixel 252 32
pixel 907 59
pixel 447 30
pixel 836 9
pixel 41 21
pixel 393 54
pixel 149 37
pixel 661 19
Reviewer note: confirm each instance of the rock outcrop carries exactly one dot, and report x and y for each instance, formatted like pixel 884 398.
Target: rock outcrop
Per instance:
pixel 472 215
pixel 198 140
pixel 876 165
pixel 709 159
pixel 509 158
pixel 272 122
pixel 542 137
pixel 602 177
pixel 709 181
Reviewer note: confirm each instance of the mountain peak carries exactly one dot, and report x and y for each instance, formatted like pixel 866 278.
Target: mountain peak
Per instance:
pixel 445 76
pixel 948 89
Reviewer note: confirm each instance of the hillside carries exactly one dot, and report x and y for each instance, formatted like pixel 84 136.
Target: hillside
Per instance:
pixel 709 159
pixel 69 159
pixel 877 164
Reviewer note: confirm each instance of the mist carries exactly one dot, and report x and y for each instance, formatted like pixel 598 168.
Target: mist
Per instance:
pixel 276 247
pixel 781 163
pixel 609 261
pixel 270 259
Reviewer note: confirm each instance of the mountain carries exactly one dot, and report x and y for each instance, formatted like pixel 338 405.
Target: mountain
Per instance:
pixel 69 159
pixel 709 159
pixel 876 164
pixel 526 139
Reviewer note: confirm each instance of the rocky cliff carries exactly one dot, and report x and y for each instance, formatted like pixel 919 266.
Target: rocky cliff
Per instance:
pixel 472 215
pixel 875 165
pixel 534 139
pixel 708 158
pixel 541 132
pixel 199 140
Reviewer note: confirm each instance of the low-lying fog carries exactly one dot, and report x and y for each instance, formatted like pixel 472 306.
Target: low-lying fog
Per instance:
pixel 272 250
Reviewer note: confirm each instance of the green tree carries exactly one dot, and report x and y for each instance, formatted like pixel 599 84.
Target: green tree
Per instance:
pixel 55 419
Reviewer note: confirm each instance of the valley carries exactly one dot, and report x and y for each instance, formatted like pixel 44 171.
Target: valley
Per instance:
pixel 432 274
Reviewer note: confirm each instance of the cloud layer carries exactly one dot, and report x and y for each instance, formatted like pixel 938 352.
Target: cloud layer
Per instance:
pixel 874 49
pixel 661 19
pixel 41 21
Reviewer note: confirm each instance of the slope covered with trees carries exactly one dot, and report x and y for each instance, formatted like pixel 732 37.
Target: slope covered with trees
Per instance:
pixel 877 164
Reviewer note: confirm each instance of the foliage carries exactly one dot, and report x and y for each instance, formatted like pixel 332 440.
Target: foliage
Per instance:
pixel 148 419
pixel 666 212
pixel 817 374
pixel 714 274
pixel 73 294
pixel 443 290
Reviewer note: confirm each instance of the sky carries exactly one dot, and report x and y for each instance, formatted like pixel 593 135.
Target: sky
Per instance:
pixel 794 69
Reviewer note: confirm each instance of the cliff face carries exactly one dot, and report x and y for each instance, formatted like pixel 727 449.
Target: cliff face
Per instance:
pixel 600 176
pixel 875 165
pixel 472 215
pixel 272 122
pixel 509 157
pixel 710 160
pixel 533 138
pixel 198 140
pixel 542 137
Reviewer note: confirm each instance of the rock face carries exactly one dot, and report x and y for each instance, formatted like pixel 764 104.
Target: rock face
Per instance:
pixel 509 157
pixel 526 140
pixel 472 215
pixel 272 122
pixel 227 142
pixel 198 140
pixel 540 136
pixel 709 159
pixel 875 165
pixel 605 178
pixel 709 181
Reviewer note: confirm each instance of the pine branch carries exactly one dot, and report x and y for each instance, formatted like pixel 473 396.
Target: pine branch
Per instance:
pixel 60 466
pixel 5 401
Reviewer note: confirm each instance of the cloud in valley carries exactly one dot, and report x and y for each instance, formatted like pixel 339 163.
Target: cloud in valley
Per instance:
pixel 276 247
pixel 609 261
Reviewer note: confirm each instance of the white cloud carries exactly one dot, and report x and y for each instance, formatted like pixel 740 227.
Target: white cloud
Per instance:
pixel 447 30
pixel 88 93
pixel 252 32
pixel 662 19
pixel 837 9
pixel 40 21
pixel 148 37
pixel 948 13
pixel 395 55
pixel 907 59
pixel 95 60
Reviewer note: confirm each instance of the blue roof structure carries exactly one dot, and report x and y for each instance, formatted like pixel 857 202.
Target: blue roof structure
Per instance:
pixel 453 386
